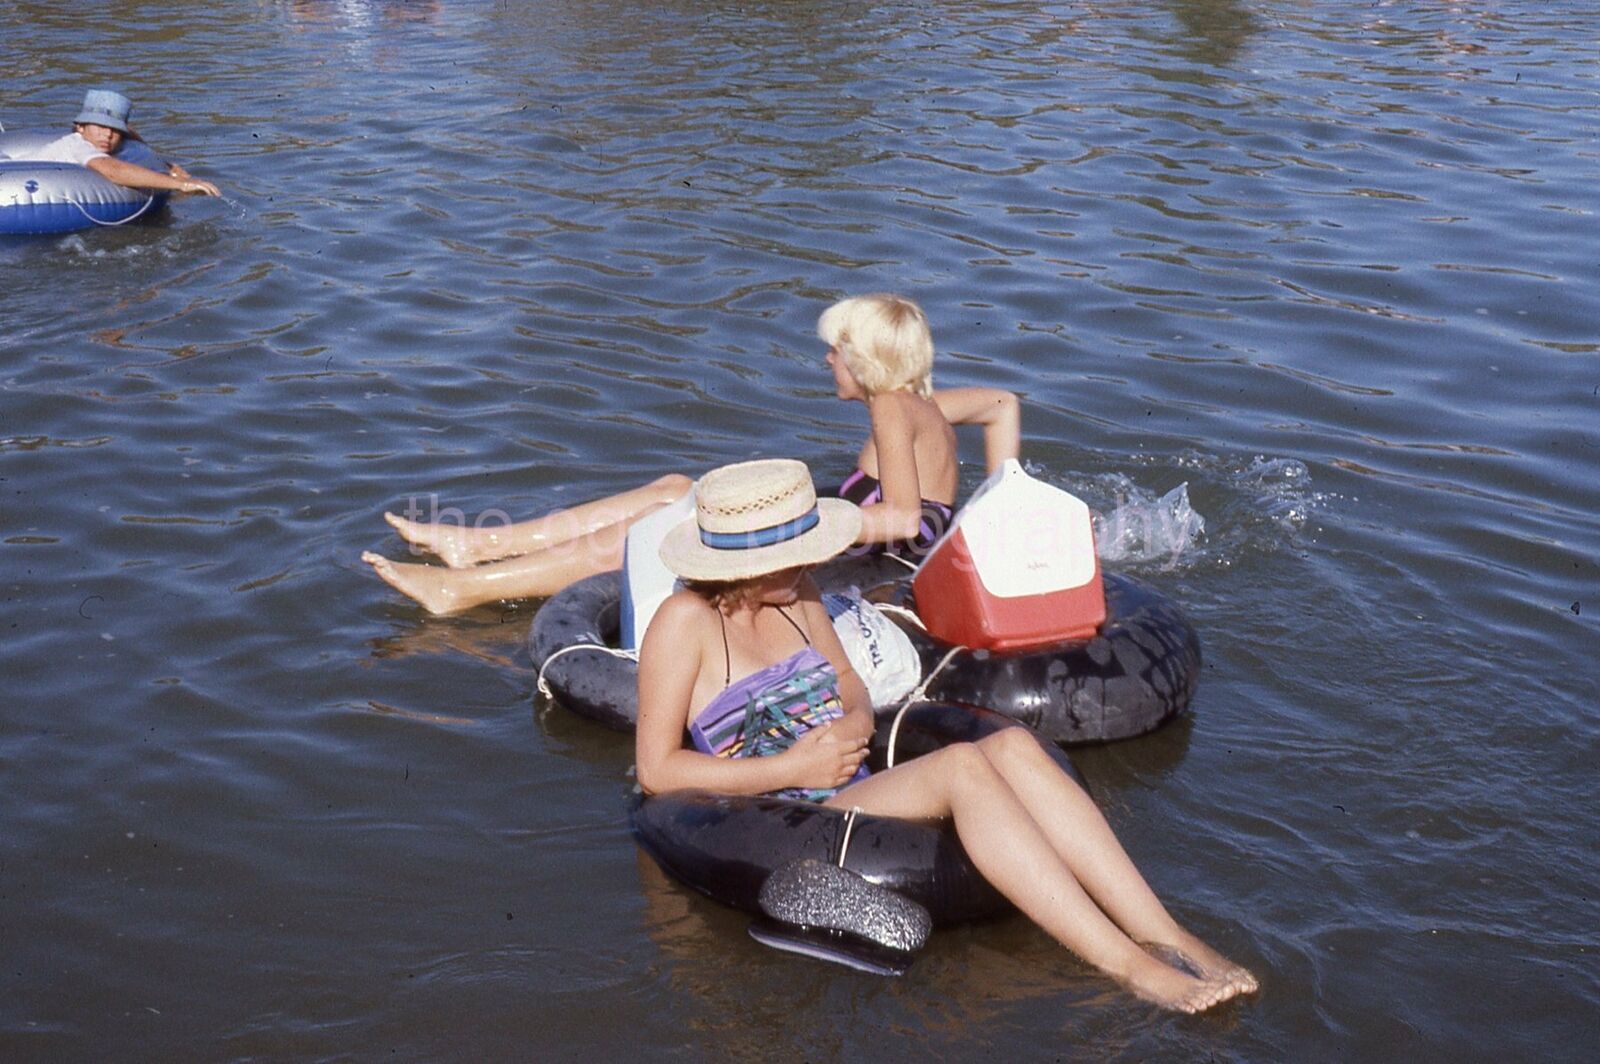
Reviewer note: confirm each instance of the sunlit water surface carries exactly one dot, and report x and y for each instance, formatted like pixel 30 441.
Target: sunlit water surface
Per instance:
pixel 1331 267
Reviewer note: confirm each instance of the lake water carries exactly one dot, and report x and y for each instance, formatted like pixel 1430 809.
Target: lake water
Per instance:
pixel 1331 266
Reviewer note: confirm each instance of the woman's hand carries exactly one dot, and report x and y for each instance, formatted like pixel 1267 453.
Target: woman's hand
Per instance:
pixel 820 759
pixel 187 182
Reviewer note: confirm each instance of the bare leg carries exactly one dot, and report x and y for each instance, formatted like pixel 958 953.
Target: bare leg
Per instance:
pixel 441 590
pixel 538 574
pixel 1013 853
pixel 460 546
pixel 1079 833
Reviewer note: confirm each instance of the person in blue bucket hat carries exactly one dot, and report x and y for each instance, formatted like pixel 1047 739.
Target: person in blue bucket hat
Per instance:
pixel 98 132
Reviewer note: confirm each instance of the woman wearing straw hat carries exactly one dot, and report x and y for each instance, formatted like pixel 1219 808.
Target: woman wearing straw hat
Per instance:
pixel 746 662
pixel 880 354
pixel 98 132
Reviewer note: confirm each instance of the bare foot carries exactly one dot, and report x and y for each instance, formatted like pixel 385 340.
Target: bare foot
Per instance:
pixel 1179 991
pixel 1207 994
pixel 1192 955
pixel 428 584
pixel 457 546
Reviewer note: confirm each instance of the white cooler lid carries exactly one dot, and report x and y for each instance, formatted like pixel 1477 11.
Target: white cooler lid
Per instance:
pixel 1025 537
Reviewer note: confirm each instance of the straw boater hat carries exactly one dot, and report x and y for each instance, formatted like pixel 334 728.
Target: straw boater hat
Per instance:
pixel 755 518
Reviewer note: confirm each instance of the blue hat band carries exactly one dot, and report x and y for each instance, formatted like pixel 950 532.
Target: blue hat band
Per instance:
pixel 762 537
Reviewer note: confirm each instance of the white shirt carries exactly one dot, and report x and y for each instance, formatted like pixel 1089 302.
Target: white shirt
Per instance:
pixel 71 148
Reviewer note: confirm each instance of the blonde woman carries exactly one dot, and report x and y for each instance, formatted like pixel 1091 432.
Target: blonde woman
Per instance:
pixel 880 352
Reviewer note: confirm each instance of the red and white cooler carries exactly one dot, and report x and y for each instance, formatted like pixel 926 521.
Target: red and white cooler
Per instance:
pixel 1016 569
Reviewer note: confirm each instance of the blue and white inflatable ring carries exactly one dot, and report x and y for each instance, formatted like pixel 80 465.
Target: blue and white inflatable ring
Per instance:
pixel 38 197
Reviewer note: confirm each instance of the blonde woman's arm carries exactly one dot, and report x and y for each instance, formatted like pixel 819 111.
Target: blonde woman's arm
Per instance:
pixel 996 409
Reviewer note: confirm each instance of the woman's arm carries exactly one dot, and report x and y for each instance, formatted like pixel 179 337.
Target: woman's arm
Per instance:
pixel 131 175
pixel 996 409
pixel 172 168
pixel 858 721
pixel 669 666
pixel 899 515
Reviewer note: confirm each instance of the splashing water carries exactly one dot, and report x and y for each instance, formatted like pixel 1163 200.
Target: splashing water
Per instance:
pixel 1146 529
pixel 1257 505
pixel 1131 523
pixel 235 208
pixel 1280 488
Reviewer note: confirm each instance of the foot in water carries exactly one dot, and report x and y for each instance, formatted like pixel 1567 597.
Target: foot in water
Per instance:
pixel 457 546
pixel 428 584
pixel 1192 955
pixel 1175 989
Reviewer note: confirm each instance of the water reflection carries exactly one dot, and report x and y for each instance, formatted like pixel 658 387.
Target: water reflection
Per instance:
pixel 736 990
pixel 362 14
pixel 494 635
pixel 1213 30
pixel 1145 763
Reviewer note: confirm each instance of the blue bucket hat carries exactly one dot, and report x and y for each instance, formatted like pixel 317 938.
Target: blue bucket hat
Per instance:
pixel 102 107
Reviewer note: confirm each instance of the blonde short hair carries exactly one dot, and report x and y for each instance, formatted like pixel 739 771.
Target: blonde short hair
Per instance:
pixel 884 341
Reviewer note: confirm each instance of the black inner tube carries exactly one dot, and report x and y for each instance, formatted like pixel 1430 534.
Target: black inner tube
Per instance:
pixel 725 846
pixel 604 687
pixel 1137 673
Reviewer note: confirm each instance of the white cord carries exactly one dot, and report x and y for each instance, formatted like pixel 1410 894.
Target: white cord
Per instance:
pixel 914 697
pixel 124 221
pixel 544 688
pixel 849 826
pixel 901 612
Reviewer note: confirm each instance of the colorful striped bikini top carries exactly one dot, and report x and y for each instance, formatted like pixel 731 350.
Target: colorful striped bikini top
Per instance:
pixel 764 713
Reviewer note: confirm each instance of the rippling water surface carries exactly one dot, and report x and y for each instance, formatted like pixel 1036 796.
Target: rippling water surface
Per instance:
pixel 1331 266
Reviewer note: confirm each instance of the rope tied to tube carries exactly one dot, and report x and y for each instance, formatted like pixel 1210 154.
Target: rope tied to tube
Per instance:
pixel 849 826
pixel 112 225
pixel 544 686
pixel 914 697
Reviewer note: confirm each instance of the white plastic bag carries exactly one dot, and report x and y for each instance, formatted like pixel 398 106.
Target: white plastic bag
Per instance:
pixel 881 653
